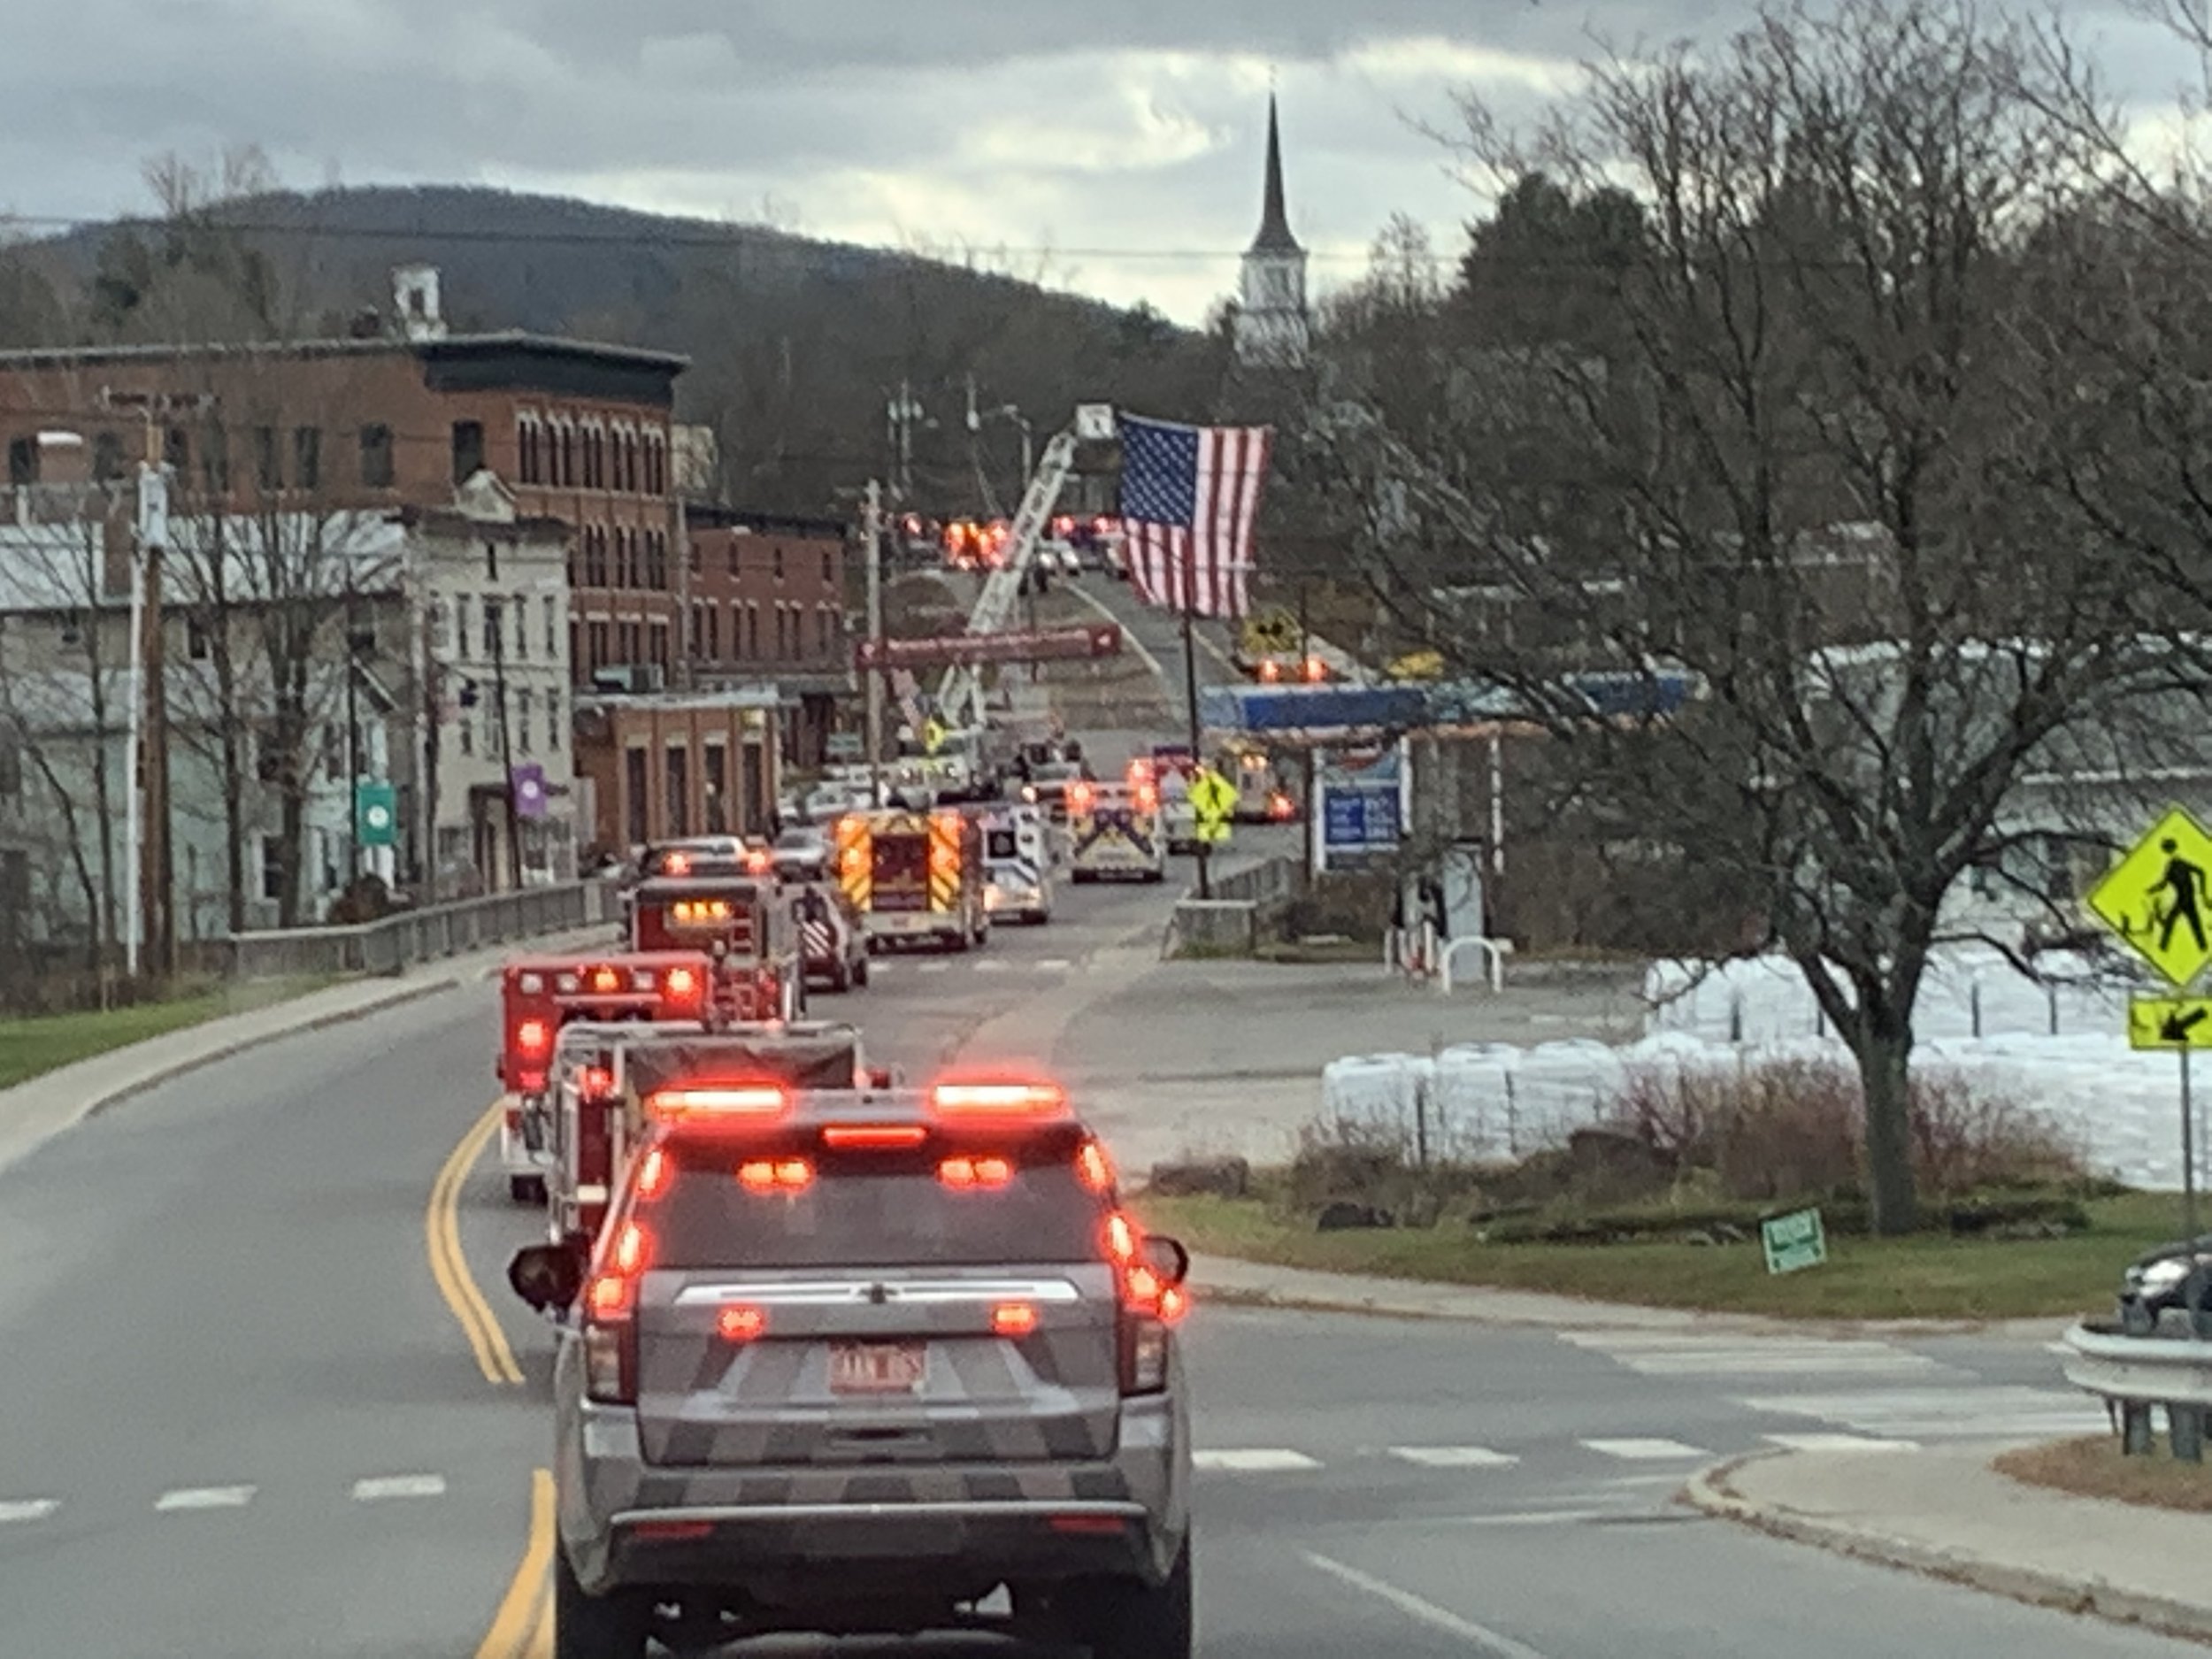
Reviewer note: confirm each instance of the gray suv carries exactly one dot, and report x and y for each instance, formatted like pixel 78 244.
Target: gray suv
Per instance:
pixel 850 1362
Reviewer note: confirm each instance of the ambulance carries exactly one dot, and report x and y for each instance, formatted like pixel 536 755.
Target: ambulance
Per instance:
pixel 1017 857
pixel 1115 833
pixel 539 997
pixel 915 877
pixel 602 1070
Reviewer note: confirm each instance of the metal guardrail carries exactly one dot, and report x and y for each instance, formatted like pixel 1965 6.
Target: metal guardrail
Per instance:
pixel 2133 1374
pixel 398 942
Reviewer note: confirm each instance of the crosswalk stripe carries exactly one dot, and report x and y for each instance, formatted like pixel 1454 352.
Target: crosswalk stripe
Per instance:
pixel 1663 1354
pixel 1840 1443
pixel 1252 1461
pixel 382 1487
pixel 1995 1412
pixel 1454 1456
pixel 1645 1450
pixel 27 1508
pixel 204 1498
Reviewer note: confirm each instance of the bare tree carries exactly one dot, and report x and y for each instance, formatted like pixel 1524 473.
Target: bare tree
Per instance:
pixel 62 693
pixel 1796 459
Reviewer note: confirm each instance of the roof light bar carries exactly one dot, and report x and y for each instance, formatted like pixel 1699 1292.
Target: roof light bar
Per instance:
pixel 761 1100
pixel 999 1100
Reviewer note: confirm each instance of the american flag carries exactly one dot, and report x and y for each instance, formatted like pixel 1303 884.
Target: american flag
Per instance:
pixel 1188 497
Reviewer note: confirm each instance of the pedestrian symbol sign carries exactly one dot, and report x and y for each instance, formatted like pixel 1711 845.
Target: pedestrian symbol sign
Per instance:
pixel 1213 795
pixel 2169 1022
pixel 934 735
pixel 2158 900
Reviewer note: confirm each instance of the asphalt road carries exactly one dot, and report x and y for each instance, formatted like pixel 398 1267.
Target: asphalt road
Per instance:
pixel 243 1417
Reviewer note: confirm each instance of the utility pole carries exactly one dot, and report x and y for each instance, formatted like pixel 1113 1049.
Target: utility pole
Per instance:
pixel 1190 695
pixel 872 529
pixel 353 744
pixel 159 869
pixel 904 412
pixel 495 615
pixel 1306 766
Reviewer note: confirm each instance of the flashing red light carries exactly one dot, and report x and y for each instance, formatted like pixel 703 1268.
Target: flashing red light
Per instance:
pixel 1174 1303
pixel 597 1083
pixel 998 1100
pixel 1147 798
pixel 740 1323
pixel 611 1296
pixel 681 985
pixel 1013 1318
pixel 873 1137
pixel 964 1173
pixel 1315 670
pixel 606 981
pixel 676 865
pixel 632 1246
pixel 1269 672
pixel 1079 796
pixel 762 1100
pixel 1094 1168
pixel 655 1172
pixel 1121 1237
pixel 773 1175
pixel 759 861
pixel 534 1036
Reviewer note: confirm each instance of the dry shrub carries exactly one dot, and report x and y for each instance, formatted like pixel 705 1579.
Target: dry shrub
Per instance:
pixel 1785 1128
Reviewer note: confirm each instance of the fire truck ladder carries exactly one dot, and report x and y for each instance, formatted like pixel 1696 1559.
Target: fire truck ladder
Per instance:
pixel 960 694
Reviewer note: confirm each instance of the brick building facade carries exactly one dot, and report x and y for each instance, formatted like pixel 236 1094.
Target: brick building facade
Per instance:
pixel 674 763
pixel 767 598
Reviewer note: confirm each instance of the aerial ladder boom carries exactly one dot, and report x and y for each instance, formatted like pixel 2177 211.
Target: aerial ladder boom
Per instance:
pixel 960 694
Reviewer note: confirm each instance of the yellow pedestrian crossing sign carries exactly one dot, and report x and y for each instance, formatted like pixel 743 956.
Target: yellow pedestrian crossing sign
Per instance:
pixel 1213 795
pixel 1212 832
pixel 2158 900
pixel 934 735
pixel 2169 1022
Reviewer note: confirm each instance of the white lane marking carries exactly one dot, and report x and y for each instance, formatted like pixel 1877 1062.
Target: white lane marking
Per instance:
pixel 1663 1354
pixel 1999 1411
pixel 378 1488
pixel 2061 1348
pixel 1530 1517
pixel 1645 1450
pixel 1480 1636
pixel 1053 964
pixel 204 1498
pixel 27 1508
pixel 1252 1461
pixel 1840 1443
pixel 989 966
pixel 1454 1456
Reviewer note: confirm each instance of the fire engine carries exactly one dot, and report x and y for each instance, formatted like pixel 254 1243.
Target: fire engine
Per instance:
pixel 602 1071
pixel 539 995
pixel 740 919
pixel 915 875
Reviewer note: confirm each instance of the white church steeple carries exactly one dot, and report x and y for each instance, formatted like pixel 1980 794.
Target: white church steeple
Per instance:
pixel 1272 326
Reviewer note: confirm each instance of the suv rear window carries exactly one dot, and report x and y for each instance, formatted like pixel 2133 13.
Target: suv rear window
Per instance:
pixel 873 1210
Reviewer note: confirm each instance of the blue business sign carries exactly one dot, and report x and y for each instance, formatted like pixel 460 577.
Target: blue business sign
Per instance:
pixel 1361 804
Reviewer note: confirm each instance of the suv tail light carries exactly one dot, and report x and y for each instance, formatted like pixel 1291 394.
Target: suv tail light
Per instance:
pixel 609 1331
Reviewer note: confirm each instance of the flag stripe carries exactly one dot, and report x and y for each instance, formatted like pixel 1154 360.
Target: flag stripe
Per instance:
pixel 1189 505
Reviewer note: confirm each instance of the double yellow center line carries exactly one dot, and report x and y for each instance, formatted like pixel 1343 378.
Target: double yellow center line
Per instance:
pixel 442 1236
pixel 522 1627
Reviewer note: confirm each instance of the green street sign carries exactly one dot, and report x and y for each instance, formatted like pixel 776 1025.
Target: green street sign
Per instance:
pixel 376 813
pixel 1793 1241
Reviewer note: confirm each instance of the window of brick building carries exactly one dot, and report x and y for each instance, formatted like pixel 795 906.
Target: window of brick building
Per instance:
pixel 676 770
pixel 307 457
pixel 22 463
pixel 553 732
pixel 468 450
pixel 107 457
pixel 660 644
pixel 268 460
pixel 597 644
pixel 176 449
pixel 528 461
pixel 376 457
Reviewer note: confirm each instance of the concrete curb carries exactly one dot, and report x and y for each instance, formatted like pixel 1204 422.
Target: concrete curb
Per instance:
pixel 1710 1493
pixel 398 997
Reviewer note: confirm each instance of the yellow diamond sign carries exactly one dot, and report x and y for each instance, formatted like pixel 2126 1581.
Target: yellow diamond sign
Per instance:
pixel 2158 899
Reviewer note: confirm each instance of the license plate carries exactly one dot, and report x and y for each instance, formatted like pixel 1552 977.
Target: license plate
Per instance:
pixel 877 1368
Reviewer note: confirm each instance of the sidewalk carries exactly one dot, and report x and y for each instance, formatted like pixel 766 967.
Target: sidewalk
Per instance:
pixel 1944 1512
pixel 34 1112
pixel 1229 1279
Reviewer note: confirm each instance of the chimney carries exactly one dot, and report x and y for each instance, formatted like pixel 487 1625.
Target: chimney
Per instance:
pixel 415 299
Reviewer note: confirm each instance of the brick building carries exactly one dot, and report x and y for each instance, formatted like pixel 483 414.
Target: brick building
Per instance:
pixel 679 762
pixel 399 417
pixel 767 603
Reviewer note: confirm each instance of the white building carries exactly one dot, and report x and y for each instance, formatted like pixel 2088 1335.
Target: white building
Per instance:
pixel 1273 327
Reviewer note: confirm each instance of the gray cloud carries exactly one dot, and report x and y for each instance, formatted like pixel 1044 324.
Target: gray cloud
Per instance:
pixel 1131 126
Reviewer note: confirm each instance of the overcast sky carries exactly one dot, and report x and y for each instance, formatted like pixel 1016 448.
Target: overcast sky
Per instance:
pixel 1123 136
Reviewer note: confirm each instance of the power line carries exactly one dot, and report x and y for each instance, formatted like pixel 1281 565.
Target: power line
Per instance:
pixel 736 238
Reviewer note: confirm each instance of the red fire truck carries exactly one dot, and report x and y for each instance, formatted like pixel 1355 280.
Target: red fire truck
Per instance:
pixel 743 920
pixel 603 1072
pixel 541 995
